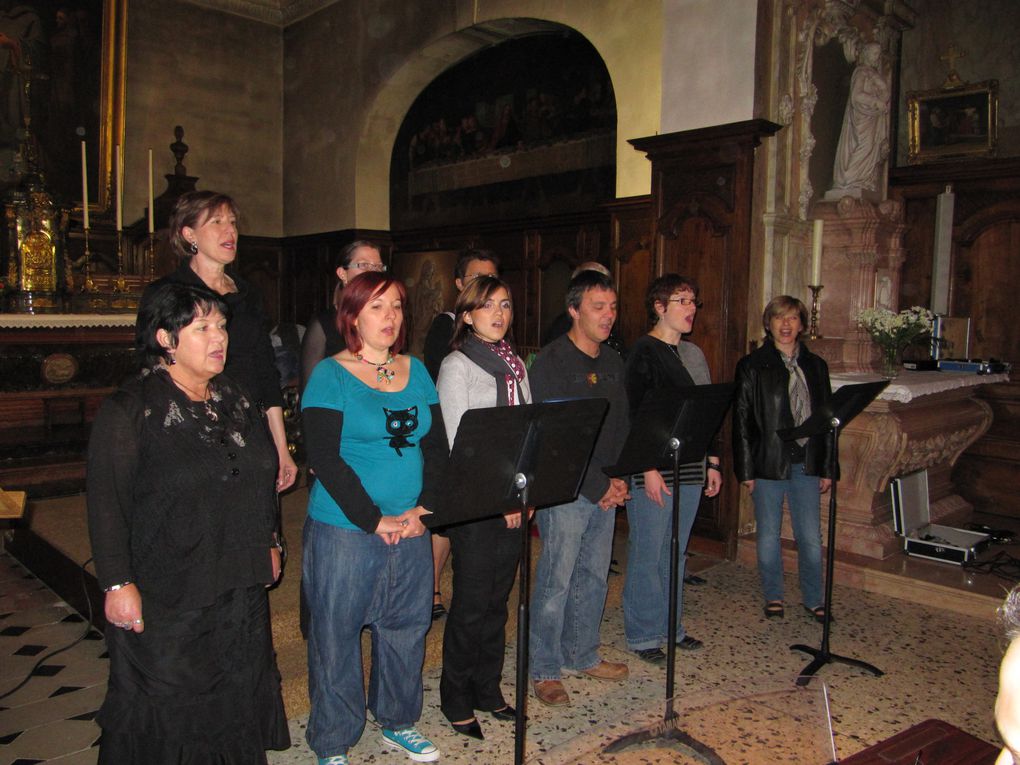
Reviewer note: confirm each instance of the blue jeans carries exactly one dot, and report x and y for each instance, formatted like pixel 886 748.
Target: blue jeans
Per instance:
pixel 353 579
pixel 802 495
pixel 570 587
pixel 646 590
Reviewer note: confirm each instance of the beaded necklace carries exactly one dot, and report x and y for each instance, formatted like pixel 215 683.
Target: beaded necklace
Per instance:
pixel 382 374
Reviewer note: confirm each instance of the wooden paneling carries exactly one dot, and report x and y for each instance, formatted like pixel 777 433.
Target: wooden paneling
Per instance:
pixel 985 266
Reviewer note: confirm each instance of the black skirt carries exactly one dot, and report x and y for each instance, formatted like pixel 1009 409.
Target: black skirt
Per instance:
pixel 197 687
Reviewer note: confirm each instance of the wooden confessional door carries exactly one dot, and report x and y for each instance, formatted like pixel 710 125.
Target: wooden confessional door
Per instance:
pixel 986 266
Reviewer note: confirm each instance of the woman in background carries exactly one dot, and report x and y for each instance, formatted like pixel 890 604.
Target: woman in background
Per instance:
pixel 322 337
pixel 203 233
pixel 481 371
pixel 182 515
pixel 375 439
pixel 778 386
pixel 659 360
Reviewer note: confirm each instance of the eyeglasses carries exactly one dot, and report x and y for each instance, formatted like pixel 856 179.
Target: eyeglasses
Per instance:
pixel 365 265
pixel 687 301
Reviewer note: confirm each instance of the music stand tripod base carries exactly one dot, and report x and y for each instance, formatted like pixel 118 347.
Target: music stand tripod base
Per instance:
pixel 825 657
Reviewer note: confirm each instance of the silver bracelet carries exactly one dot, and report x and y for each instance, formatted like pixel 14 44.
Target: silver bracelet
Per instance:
pixel 115 587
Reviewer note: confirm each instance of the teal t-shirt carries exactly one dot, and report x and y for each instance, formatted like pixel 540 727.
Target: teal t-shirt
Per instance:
pixel 379 440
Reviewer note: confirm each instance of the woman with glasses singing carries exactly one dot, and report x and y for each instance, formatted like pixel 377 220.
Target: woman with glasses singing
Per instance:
pixel 482 371
pixel 662 359
pixel 322 337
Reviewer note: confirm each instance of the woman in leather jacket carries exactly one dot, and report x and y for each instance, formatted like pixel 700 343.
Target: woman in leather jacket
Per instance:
pixel 778 386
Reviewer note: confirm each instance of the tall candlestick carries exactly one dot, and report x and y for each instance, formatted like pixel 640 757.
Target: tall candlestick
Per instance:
pixel 152 214
pixel 816 252
pixel 118 183
pixel 84 186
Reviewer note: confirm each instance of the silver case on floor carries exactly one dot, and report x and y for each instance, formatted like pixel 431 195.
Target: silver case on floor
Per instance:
pixel 921 537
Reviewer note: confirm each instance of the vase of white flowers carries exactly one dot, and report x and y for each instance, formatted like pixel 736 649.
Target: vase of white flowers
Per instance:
pixel 893 332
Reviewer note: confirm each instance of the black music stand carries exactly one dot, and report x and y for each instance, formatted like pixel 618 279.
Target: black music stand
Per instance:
pixel 516 457
pixel 845 404
pixel 676 424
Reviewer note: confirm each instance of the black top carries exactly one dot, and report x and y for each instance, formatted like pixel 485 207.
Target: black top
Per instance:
pixel 562 371
pixel 437 343
pixel 251 362
pixel 653 364
pixel 762 407
pixel 180 504
pixel 322 339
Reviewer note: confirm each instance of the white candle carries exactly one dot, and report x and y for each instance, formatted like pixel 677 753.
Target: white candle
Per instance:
pixel 84 187
pixel 816 253
pixel 118 187
pixel 152 214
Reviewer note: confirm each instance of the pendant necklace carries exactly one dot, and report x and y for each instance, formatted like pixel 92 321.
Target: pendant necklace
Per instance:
pixel 382 374
pixel 195 396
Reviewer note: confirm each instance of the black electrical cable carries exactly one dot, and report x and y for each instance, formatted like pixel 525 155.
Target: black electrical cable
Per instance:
pixel 51 654
pixel 1002 565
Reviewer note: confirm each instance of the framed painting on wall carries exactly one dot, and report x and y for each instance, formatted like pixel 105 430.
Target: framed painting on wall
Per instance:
pixel 953 124
pixel 61 83
pixel 428 276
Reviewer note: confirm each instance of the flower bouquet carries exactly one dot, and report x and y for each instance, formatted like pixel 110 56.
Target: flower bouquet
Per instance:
pixel 893 332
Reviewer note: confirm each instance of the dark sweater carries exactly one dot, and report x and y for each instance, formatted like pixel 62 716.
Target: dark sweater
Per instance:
pixel 179 504
pixel 562 371
pixel 251 362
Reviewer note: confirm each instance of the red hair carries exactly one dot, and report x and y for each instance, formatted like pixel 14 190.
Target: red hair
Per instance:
pixel 357 294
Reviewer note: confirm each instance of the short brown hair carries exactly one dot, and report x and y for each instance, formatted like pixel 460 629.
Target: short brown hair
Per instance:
pixel 191 211
pixel 783 304
pixel 665 287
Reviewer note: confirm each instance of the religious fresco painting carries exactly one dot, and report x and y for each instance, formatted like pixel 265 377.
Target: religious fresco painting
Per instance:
pixel 428 277
pixel 954 124
pixel 56 63
pixel 528 125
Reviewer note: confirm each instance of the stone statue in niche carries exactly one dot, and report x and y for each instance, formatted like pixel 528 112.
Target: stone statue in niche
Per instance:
pixel 864 141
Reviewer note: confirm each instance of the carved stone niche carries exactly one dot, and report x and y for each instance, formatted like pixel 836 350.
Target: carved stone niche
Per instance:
pixel 861 264
pixel 890 439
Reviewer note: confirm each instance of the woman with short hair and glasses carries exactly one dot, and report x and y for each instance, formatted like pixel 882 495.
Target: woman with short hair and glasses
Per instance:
pixel 778 386
pixel 660 360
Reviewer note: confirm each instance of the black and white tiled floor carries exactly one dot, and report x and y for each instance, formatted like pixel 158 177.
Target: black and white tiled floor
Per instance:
pixel 50 717
pixel 937 664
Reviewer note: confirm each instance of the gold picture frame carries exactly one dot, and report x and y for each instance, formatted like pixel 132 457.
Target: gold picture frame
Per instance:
pixel 953 124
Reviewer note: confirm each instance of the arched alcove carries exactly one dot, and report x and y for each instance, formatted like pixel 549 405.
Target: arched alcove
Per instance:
pixel 522 128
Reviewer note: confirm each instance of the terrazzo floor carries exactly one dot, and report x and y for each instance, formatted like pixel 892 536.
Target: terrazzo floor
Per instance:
pixel 937 664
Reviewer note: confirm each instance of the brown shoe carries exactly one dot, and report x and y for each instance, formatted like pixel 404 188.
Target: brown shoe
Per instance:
pixel 608 670
pixel 551 693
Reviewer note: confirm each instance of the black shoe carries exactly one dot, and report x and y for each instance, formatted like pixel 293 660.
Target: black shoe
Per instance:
pixel 472 729
pixel 818 612
pixel 651 655
pixel 689 644
pixel 695 579
pixel 506 713
pixel 438 609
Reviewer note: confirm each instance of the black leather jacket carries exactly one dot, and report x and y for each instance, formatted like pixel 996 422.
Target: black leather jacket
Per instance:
pixel 762 407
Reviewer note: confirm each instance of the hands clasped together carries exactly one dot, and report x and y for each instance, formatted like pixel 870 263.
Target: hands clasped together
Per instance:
pixel 407 525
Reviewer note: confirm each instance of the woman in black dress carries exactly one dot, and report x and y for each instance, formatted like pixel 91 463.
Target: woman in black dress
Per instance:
pixel 203 233
pixel 182 518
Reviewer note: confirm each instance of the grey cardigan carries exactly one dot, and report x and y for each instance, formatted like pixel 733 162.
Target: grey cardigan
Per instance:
pixel 464 385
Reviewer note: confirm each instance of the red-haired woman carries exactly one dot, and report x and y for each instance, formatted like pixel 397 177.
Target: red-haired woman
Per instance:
pixel 375 438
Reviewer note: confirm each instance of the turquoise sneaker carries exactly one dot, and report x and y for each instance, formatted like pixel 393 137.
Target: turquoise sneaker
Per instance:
pixel 412 743
pixel 336 759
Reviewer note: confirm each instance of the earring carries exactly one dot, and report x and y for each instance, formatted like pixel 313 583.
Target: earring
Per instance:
pixel 193 248
pixel 170 360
